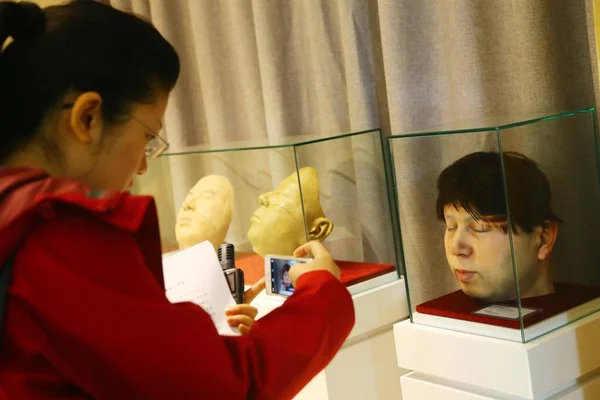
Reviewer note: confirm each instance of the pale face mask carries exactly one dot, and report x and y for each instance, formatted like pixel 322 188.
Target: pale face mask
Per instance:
pixel 205 213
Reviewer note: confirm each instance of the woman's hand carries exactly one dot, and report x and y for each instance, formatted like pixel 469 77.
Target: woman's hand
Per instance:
pixel 242 316
pixel 321 261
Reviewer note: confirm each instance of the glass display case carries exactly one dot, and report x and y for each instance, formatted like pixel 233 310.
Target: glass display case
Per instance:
pixel 500 224
pixel 270 197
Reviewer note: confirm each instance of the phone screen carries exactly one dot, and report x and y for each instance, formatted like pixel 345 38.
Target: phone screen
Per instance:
pixel 280 276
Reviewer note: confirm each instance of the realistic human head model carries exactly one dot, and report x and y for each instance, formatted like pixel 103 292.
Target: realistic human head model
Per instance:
pixel 471 202
pixel 83 91
pixel 205 213
pixel 277 226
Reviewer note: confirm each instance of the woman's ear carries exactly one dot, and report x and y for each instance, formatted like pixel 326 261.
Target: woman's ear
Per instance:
pixel 86 117
pixel 321 228
pixel 548 235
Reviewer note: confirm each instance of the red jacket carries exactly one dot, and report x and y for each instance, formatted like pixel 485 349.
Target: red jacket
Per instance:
pixel 87 314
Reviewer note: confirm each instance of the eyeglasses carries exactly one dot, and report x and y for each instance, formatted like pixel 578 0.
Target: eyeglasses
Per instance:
pixel 156 145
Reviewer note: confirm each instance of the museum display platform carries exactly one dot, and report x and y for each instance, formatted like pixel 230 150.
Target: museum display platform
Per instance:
pixel 477 329
pixel 453 365
pixel 366 367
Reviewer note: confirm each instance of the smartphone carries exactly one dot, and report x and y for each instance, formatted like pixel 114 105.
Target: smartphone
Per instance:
pixel 277 276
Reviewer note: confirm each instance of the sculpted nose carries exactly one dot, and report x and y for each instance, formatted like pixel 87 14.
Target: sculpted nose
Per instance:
pixel 263 199
pixel 459 245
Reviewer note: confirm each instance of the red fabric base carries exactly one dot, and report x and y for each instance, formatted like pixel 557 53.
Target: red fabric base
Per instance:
pixel 458 305
pixel 351 272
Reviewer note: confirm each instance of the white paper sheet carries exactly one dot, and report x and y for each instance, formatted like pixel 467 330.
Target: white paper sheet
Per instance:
pixel 505 312
pixel 195 275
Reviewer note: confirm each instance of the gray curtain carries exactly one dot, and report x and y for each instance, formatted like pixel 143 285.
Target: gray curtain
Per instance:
pixel 469 64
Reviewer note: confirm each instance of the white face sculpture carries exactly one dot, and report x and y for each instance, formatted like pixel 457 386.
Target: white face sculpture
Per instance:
pixel 278 226
pixel 206 213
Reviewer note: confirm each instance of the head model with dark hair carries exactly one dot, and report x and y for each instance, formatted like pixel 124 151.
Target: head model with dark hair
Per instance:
pixel 472 194
pixel 83 91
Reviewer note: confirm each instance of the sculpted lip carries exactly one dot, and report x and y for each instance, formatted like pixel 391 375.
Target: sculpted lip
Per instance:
pixel 464 275
pixel 185 220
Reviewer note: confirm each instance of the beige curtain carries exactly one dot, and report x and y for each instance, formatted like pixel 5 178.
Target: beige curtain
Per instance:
pixel 265 70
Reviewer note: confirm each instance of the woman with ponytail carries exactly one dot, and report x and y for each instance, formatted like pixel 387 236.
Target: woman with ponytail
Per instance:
pixel 83 311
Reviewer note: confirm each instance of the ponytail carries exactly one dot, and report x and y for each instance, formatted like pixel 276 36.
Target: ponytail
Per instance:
pixel 79 46
pixel 21 21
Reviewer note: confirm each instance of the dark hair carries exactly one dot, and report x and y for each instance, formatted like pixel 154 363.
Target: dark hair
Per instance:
pixel 475 183
pixel 286 268
pixel 80 46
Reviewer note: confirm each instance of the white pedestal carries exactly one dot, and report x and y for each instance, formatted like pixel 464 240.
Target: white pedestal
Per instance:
pixel 450 365
pixel 365 368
